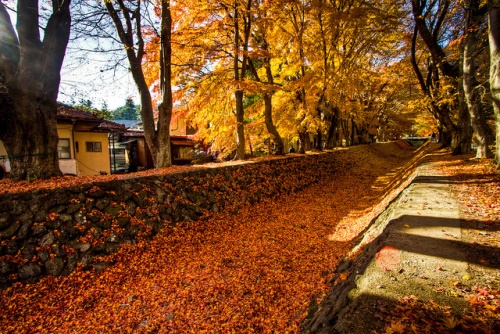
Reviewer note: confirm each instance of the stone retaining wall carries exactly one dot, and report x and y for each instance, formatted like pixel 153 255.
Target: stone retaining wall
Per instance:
pixel 52 232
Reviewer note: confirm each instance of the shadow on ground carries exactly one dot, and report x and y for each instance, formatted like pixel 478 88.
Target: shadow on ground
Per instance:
pixel 413 255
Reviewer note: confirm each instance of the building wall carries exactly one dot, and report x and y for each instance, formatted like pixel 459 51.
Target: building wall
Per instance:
pixel 64 131
pixel 88 163
pixel 178 127
pixel 92 163
pixel 2 149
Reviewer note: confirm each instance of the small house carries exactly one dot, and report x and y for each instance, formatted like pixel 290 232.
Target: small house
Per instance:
pixel 83 147
pixel 139 156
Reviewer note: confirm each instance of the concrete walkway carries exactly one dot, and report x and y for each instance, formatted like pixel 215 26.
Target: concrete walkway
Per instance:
pixel 411 249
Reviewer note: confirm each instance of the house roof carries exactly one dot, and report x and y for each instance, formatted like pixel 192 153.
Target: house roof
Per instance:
pixel 72 113
pixel 174 139
pixel 133 133
pixel 86 121
pixel 182 140
pixel 112 126
pixel 129 123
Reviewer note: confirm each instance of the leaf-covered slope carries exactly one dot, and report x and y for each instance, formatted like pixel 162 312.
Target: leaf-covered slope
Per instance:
pixel 255 271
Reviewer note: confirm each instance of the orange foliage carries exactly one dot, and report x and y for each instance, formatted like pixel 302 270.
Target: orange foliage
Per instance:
pixel 256 271
pixel 8 186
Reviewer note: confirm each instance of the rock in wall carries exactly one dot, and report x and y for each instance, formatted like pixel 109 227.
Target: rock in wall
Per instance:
pixel 52 232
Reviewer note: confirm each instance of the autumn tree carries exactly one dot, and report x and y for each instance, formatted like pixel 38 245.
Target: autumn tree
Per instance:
pixel 212 65
pixel 303 67
pixel 241 36
pixel 293 24
pixel 343 42
pixel 439 73
pixel 264 54
pixel 31 58
pixel 129 19
pixel 494 42
pixel 474 47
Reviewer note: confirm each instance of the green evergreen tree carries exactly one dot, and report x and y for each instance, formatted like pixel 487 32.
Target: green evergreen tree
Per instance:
pixel 128 111
pixel 88 106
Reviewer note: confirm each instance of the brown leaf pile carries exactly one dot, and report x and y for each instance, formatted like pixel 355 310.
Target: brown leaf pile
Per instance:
pixel 8 186
pixel 257 271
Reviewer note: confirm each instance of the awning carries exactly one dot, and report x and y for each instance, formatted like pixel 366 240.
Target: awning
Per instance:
pixel 126 142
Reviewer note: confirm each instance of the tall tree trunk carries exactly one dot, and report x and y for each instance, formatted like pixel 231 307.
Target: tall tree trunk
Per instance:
pixel 345 131
pixel 157 138
pixel 430 36
pixel 319 140
pixel 32 143
pixel 240 126
pixel 494 40
pixel 333 128
pixel 465 128
pixel 305 141
pixel 353 131
pixel 164 155
pixel 279 147
pixel 268 109
pixel 29 83
pixel 238 94
pixel 470 83
pixel 298 22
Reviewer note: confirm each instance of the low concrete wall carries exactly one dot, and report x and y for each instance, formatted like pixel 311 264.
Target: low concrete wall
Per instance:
pixel 52 232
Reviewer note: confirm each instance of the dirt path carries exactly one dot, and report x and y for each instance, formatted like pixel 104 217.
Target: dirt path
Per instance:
pixel 422 270
pixel 258 271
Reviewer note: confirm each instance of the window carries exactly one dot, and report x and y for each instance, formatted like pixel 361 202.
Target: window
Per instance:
pixel 63 151
pixel 186 152
pixel 93 146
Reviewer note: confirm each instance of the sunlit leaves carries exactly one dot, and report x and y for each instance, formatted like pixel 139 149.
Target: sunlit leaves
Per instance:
pixel 321 54
pixel 256 271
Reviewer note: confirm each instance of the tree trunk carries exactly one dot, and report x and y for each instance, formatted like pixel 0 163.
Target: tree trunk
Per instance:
pixel 430 35
pixel 240 126
pixel 238 94
pixel 157 138
pixel 451 135
pixel 345 131
pixel 331 135
pixel 319 140
pixel 470 83
pixel 333 128
pixel 305 142
pixel 464 126
pixel 494 40
pixel 353 131
pixel 29 81
pixel 163 157
pixel 464 129
pixel 279 147
pixel 32 143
